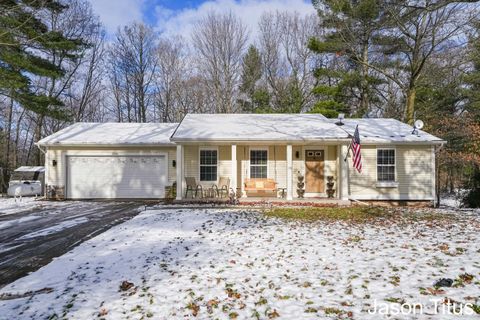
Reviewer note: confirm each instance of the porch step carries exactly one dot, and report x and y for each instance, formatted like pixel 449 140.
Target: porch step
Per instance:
pixel 296 202
pixel 263 202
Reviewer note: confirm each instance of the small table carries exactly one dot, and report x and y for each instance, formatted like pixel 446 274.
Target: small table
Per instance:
pixel 282 192
pixel 209 193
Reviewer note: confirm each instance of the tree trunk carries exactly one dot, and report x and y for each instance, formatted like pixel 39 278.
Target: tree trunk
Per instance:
pixel 4 174
pixel 8 135
pixel 410 105
pixel 17 139
pixel 37 136
pixel 451 185
pixel 364 83
pixel 437 179
pixel 26 160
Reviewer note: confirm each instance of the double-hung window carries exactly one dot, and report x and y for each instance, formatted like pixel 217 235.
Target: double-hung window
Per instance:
pixel 386 165
pixel 208 164
pixel 258 163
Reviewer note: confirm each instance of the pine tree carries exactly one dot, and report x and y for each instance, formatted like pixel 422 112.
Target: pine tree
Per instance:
pixel 472 197
pixel 472 79
pixel 257 98
pixel 24 39
pixel 345 81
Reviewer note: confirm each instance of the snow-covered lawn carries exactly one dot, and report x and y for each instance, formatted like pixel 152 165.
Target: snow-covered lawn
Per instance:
pixel 13 205
pixel 239 264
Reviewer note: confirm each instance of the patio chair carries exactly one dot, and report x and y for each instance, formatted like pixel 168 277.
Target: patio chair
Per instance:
pixel 222 187
pixel 192 186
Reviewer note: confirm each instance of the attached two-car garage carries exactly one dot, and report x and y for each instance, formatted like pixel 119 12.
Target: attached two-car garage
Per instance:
pixel 110 161
pixel 109 177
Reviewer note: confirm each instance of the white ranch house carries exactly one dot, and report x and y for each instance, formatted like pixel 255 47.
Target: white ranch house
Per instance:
pixel 141 160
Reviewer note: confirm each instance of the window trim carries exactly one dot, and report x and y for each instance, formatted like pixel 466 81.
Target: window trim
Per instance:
pixel 205 148
pixel 250 163
pixel 386 184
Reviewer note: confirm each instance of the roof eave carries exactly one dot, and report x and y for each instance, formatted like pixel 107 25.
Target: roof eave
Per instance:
pixel 425 142
pixel 48 145
pixel 327 139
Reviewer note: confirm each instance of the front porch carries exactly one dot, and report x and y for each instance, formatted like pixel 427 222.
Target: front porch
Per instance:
pixel 251 169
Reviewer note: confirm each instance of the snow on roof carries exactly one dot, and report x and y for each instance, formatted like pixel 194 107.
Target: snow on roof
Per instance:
pixel 238 127
pixel 379 130
pixel 30 169
pixel 257 127
pixel 83 133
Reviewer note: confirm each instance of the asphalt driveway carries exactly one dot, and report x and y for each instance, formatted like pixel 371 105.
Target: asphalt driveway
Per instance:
pixel 34 232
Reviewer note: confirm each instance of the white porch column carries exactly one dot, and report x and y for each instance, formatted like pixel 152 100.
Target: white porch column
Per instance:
pixel 243 173
pixel 289 172
pixel 233 179
pixel 179 168
pixel 343 195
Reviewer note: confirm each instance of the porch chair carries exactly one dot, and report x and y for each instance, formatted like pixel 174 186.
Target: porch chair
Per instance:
pixel 192 186
pixel 222 187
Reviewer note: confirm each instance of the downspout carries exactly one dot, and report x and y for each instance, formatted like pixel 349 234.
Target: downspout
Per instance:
pixel 40 148
pixel 359 202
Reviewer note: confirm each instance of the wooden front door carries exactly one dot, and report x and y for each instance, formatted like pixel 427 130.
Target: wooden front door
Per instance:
pixel 314 167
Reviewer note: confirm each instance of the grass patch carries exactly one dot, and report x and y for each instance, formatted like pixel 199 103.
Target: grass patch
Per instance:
pixel 357 214
pixel 476 308
pixel 361 214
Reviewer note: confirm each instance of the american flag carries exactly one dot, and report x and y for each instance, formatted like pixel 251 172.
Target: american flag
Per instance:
pixel 356 147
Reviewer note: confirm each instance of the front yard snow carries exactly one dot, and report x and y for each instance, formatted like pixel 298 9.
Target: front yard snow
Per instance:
pixel 172 264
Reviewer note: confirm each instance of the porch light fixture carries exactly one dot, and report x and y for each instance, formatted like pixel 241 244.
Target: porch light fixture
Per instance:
pixel 297 154
pixel 54 163
pixel 174 163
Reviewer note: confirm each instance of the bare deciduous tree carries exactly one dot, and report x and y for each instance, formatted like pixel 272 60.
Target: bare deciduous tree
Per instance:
pixel 417 33
pixel 132 65
pixel 172 72
pixel 85 99
pixel 220 42
pixel 288 63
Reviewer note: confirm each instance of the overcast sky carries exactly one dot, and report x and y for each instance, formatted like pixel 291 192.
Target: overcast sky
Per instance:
pixel 177 17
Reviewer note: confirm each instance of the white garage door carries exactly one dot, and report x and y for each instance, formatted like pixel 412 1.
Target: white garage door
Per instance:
pixel 116 177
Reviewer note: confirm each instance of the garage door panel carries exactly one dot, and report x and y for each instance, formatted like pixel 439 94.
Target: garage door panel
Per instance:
pixel 116 177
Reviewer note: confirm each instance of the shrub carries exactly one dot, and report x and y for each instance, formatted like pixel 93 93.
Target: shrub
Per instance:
pixel 471 199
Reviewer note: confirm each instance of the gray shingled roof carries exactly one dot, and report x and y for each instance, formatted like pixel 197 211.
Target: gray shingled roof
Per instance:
pixel 257 127
pixel 83 133
pixel 238 128
pixel 379 130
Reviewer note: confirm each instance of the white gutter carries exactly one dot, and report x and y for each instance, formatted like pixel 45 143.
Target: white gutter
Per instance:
pixel 253 139
pixel 99 145
pixel 40 148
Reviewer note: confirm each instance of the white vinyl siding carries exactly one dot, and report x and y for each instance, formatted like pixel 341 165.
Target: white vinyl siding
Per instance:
pixel 57 175
pixel 413 175
pixel 192 162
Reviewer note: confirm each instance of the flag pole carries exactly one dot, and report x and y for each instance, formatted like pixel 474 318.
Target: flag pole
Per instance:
pixel 350 145
pixel 348 150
